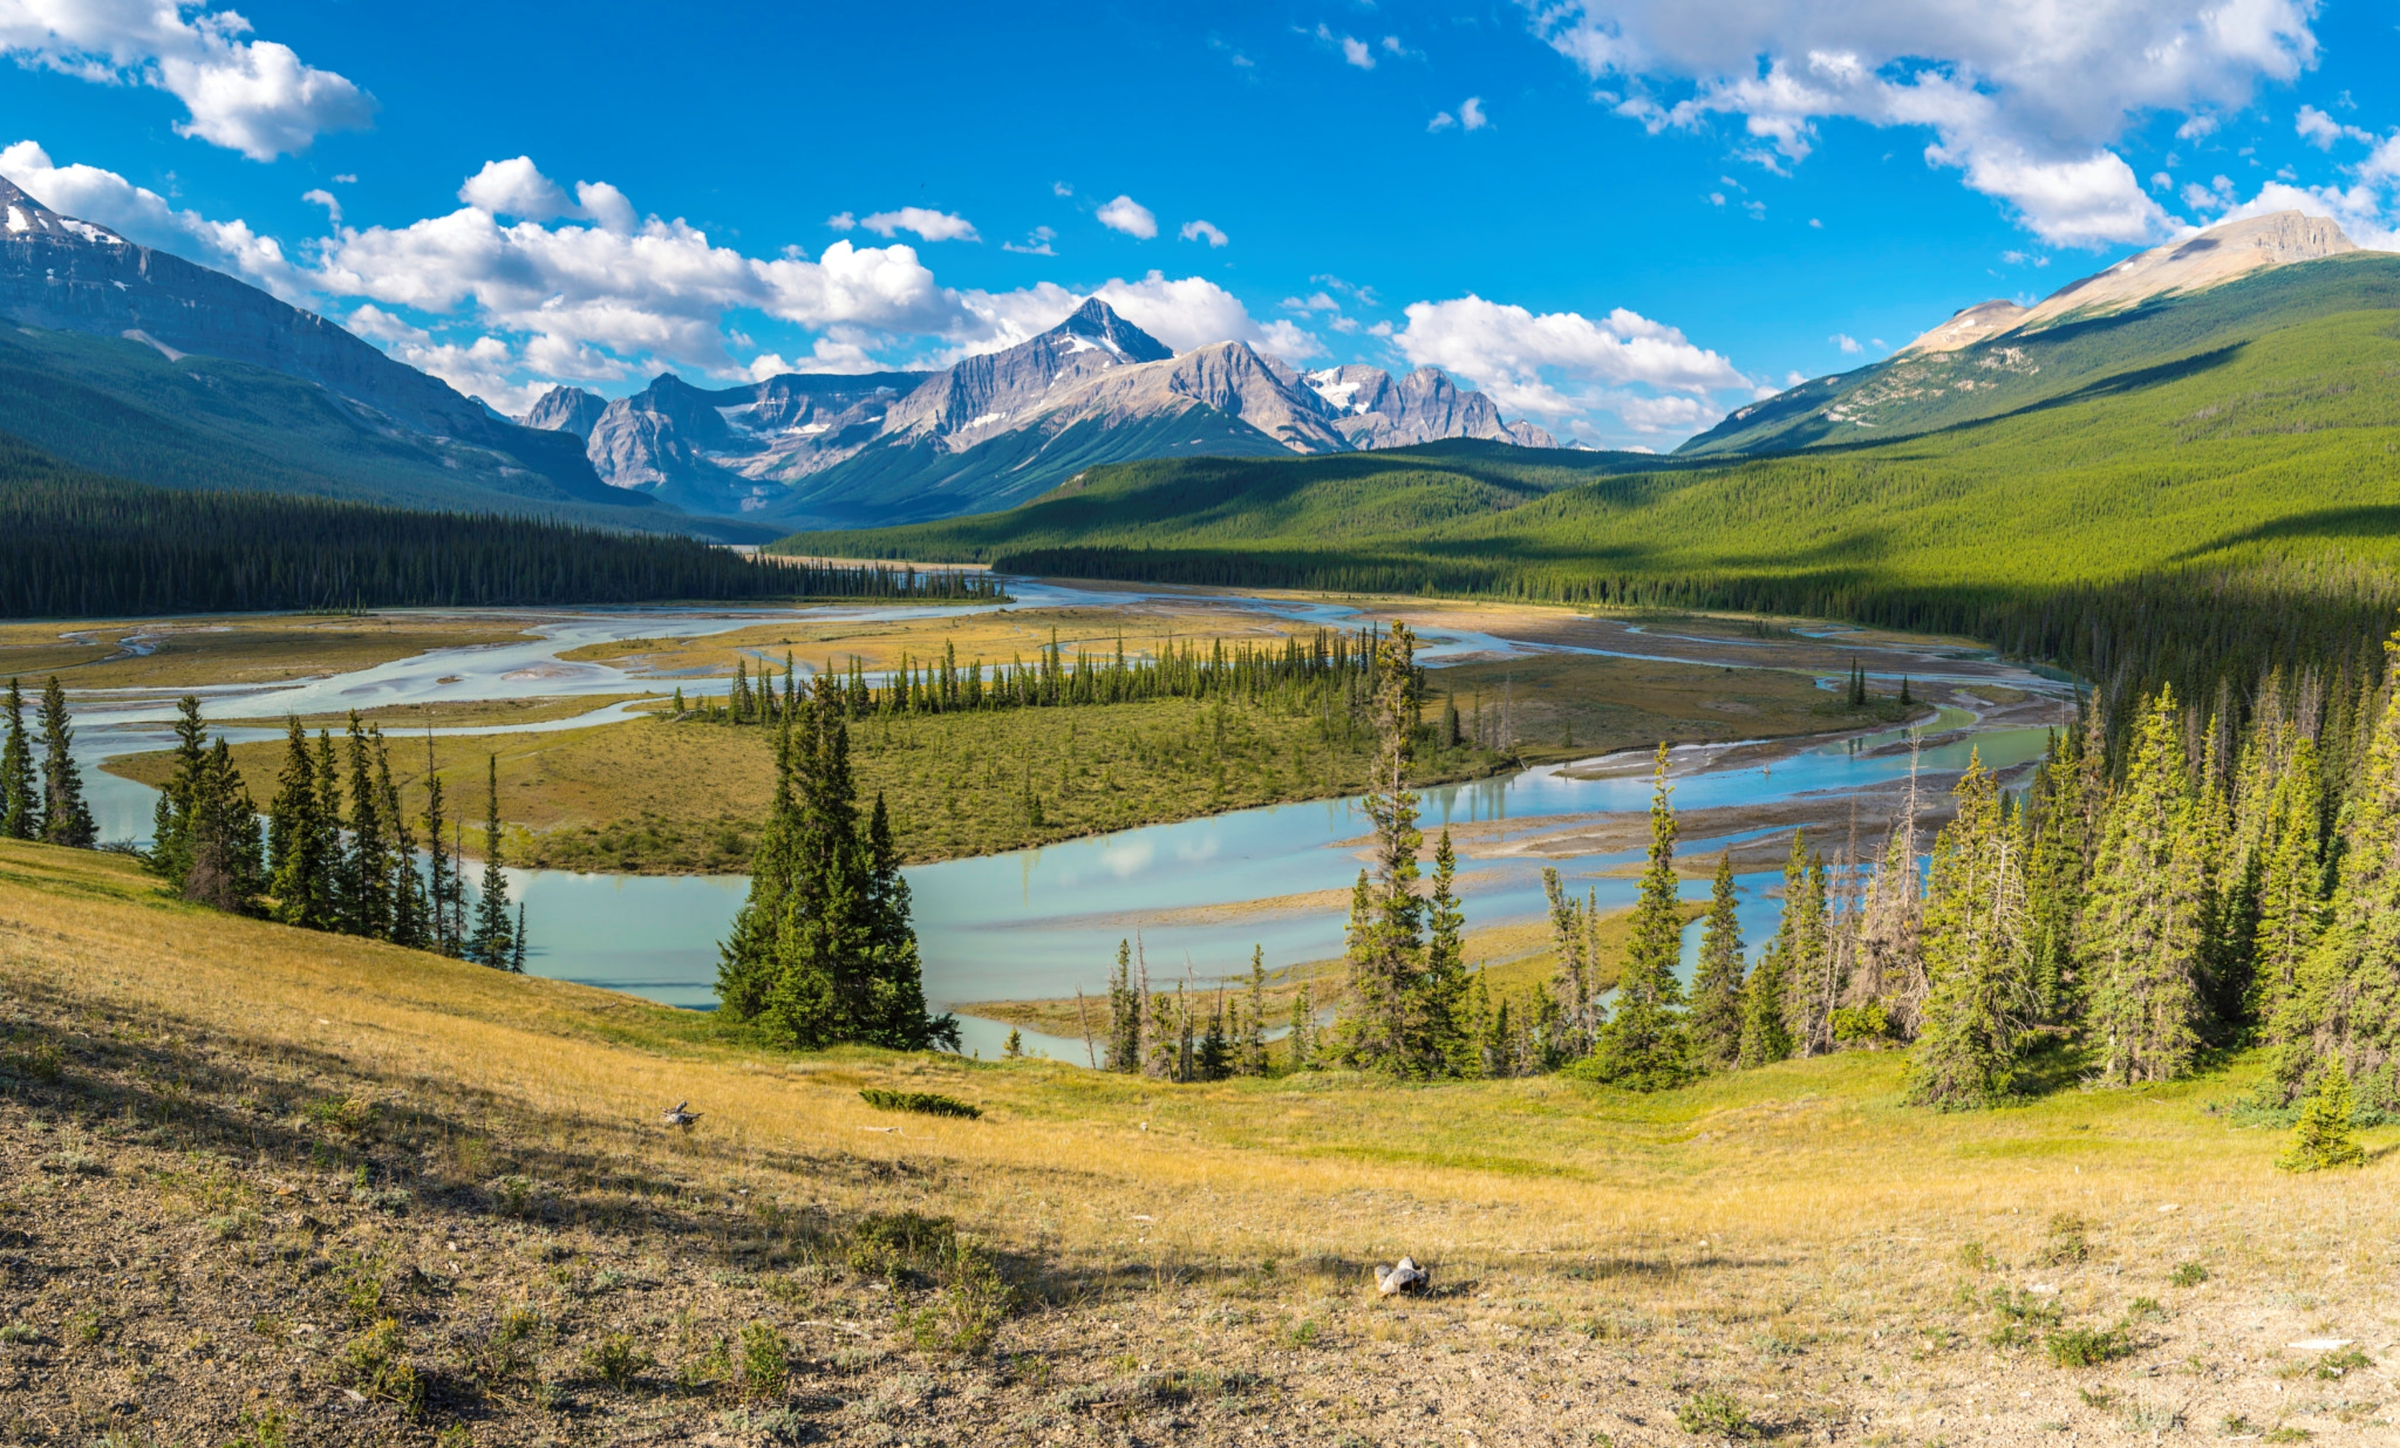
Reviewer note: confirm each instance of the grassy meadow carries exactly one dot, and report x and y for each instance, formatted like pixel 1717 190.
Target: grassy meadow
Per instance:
pixel 231 649
pixel 346 1193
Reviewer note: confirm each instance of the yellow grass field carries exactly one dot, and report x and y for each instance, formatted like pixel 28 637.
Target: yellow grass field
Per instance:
pixel 247 1173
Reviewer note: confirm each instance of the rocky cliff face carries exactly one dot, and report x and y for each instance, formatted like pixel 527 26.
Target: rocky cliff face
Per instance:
pixel 1374 410
pixel 985 396
pixel 567 409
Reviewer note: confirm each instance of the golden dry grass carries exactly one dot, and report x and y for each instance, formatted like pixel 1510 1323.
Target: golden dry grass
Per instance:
pixel 1794 1236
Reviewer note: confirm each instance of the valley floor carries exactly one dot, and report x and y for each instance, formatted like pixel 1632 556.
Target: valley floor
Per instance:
pixel 264 1187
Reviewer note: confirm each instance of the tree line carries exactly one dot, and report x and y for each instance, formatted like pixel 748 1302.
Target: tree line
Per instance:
pixel 1331 665
pixel 2223 884
pixel 80 545
pixel 335 851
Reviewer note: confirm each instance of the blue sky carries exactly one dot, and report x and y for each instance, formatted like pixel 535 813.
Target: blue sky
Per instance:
pixel 1621 219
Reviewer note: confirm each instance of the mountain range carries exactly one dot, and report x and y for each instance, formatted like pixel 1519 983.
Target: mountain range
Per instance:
pixel 821 450
pixel 133 361
pixel 1996 357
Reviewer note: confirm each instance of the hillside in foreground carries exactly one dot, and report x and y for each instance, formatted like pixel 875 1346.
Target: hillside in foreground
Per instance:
pixel 266 1186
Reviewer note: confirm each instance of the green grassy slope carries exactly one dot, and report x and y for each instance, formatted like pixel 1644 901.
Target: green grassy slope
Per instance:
pixel 1909 395
pixel 2245 506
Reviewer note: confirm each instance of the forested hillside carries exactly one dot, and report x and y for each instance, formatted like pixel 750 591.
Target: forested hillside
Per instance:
pixel 2232 508
pixel 77 544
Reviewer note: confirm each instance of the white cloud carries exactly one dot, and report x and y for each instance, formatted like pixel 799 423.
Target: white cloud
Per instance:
pixel 1470 114
pixel 2214 197
pixel 1036 243
pixel 2196 128
pixel 931 225
pixel 1846 342
pixel 252 96
pixel 1354 51
pixel 517 188
pixel 1562 365
pixel 1442 121
pixel 622 284
pixel 2368 211
pixel 1129 216
pixel 2025 100
pixel 1195 312
pixel 1203 231
pixel 143 215
pixel 326 199
pixel 2321 130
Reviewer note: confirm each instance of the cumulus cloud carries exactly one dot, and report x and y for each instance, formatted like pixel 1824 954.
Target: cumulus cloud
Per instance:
pixel 1565 366
pixel 142 215
pixel 1195 312
pixel 2024 101
pixel 619 285
pixel 1470 117
pixel 1129 216
pixel 1203 231
pixel 1354 51
pixel 1846 342
pixel 2321 130
pixel 930 225
pixel 319 196
pixel 253 96
pixel 1036 243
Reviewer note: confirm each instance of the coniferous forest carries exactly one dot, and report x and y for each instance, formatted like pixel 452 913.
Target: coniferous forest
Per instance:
pixel 81 545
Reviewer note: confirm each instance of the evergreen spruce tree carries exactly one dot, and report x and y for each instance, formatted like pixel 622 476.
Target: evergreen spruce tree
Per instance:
pixel 1253 1058
pixel 2142 939
pixel 1644 1046
pixel 516 943
pixel 298 866
pixel 367 876
pixel 1212 1059
pixel 1717 998
pixel 1302 1040
pixel 1809 990
pixel 66 819
pixel 1124 1014
pixel 2322 1138
pixel 179 796
pixel 333 860
pixel 410 926
pixel 1574 985
pixel 492 943
pixel 2291 911
pixel 2346 1007
pixel 1766 1009
pixel 1985 996
pixel 823 952
pixel 221 837
pixel 20 792
pixel 2054 871
pixel 1438 1043
pixel 1387 947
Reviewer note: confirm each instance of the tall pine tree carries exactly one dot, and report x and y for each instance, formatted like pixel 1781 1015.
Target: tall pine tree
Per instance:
pixel 1644 1046
pixel 2142 939
pixel 1387 947
pixel 1978 955
pixel 1716 1022
pixel 66 819
pixel 301 839
pixel 171 821
pixel 493 942
pixel 20 791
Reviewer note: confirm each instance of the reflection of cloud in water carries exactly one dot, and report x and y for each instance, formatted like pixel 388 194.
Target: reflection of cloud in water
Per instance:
pixel 1198 851
pixel 1128 860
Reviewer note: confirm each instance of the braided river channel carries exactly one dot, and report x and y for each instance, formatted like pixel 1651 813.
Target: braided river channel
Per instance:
pixel 1043 922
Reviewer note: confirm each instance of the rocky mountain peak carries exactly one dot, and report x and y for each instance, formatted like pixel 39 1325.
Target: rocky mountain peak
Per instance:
pixel 567 409
pixel 23 218
pixel 1096 322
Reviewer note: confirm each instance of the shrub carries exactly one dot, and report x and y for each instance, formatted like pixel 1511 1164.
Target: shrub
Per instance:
pixel 616 1360
pixel 766 1361
pixel 969 1306
pixel 2067 1245
pixel 2084 1347
pixel 2322 1138
pixel 886 1246
pixel 2335 1364
pixel 376 1364
pixel 924 1103
pixel 2189 1274
pixel 1717 1414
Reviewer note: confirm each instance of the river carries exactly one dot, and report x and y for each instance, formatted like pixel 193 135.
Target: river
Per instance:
pixel 1044 922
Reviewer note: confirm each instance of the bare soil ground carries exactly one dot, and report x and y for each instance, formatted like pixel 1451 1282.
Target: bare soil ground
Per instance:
pixel 262 1187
